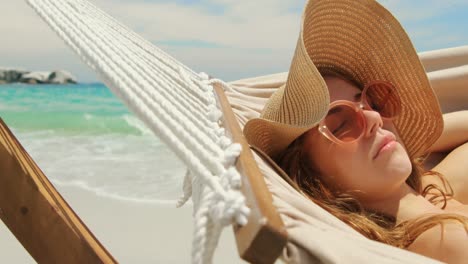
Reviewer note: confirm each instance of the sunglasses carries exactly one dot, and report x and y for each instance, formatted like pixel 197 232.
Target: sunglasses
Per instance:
pixel 345 121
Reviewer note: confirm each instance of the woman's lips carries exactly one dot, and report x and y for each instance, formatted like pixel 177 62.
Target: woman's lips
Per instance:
pixel 388 143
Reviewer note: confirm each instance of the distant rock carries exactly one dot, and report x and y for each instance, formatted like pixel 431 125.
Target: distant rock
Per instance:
pixel 60 77
pixel 35 77
pixel 8 75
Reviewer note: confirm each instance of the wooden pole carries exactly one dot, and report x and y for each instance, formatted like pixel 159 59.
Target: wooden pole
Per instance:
pixel 37 214
pixel 264 237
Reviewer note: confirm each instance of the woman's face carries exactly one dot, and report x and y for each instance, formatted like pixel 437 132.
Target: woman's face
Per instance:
pixel 373 166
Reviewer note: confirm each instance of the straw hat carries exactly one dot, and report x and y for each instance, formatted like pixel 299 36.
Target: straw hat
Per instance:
pixel 362 39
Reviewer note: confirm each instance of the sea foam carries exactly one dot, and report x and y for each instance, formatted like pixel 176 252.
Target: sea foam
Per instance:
pixel 83 136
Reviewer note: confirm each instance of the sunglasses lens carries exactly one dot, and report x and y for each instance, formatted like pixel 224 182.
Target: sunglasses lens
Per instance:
pixel 344 122
pixel 383 98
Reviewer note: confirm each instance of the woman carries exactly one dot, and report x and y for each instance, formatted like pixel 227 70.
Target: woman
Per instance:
pixel 353 140
pixel 374 172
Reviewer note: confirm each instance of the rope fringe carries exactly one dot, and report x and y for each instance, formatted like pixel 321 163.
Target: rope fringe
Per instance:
pixel 215 209
pixel 187 189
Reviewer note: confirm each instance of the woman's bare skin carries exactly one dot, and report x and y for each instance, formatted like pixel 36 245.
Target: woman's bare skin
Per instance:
pixel 443 242
pixel 450 155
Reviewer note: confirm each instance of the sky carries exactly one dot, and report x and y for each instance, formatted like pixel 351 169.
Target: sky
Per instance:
pixel 228 39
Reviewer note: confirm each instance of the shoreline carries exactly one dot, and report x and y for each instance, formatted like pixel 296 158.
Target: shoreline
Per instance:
pixel 132 232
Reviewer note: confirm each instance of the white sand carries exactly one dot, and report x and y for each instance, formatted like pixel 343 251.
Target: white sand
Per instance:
pixel 132 232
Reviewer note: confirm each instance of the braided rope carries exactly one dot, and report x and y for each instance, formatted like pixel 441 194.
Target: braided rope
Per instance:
pixel 185 113
pixel 129 87
pixel 153 51
pixel 161 69
pixel 167 65
pixel 175 103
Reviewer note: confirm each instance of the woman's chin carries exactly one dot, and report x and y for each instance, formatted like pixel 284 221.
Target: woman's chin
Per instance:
pixel 399 163
pixel 396 162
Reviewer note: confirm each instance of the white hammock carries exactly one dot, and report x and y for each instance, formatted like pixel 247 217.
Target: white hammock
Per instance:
pixel 180 107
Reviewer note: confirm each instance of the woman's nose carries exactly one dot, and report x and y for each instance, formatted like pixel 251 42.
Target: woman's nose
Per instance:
pixel 374 122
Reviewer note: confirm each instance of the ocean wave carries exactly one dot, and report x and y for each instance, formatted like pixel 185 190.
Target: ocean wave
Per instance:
pixel 15 108
pixel 88 116
pixel 127 167
pixel 68 123
pixel 103 193
pixel 85 137
pixel 134 122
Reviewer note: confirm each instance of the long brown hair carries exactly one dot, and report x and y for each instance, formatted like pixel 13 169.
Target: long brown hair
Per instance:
pixel 373 225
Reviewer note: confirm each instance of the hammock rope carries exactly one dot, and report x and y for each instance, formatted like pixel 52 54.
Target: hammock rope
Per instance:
pixel 153 53
pixel 177 104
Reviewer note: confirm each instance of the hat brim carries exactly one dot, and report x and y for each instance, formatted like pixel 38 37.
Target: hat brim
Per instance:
pixel 272 137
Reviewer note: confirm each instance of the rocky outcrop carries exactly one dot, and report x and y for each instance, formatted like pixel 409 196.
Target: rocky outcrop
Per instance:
pixel 34 77
pixel 8 75
pixel 11 75
pixel 59 77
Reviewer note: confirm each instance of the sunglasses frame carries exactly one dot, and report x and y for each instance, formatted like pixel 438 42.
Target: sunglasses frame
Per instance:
pixel 359 108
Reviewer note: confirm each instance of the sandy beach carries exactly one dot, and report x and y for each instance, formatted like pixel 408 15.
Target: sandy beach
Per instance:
pixel 132 232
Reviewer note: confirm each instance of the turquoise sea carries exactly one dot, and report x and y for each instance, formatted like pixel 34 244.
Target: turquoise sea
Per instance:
pixel 82 135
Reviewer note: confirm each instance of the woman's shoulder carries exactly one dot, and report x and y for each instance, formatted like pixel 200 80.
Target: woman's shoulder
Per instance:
pixel 455 207
pixel 447 242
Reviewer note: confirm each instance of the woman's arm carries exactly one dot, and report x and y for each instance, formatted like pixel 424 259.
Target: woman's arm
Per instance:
pixel 450 156
pixel 454 168
pixel 455 132
pixel 451 87
pixel 448 74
